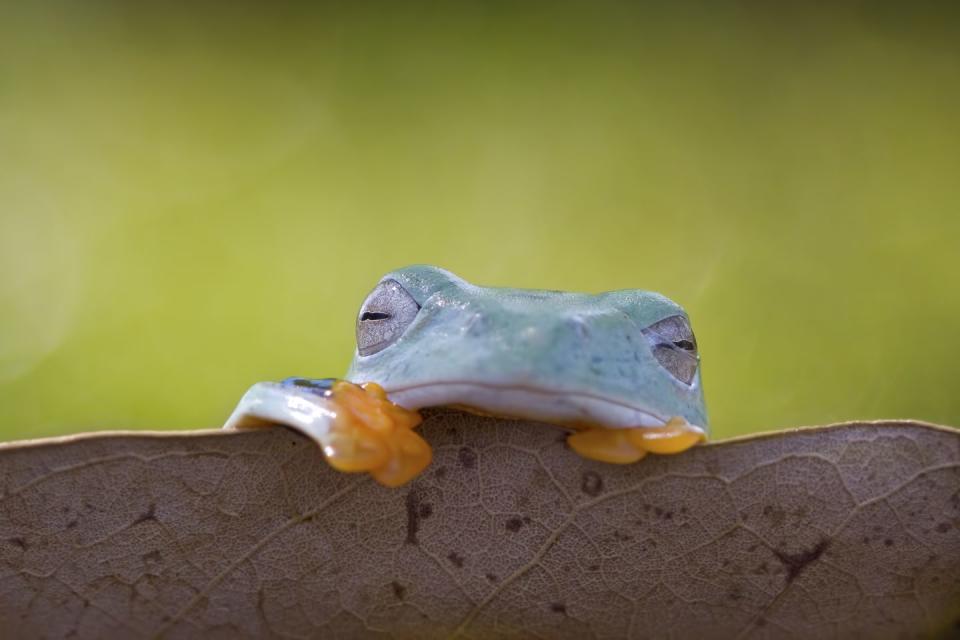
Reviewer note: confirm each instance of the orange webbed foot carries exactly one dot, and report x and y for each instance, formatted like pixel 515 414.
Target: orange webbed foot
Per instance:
pixel 372 434
pixel 623 446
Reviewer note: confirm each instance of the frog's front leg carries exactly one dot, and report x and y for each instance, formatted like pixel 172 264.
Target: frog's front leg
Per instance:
pixel 357 427
pixel 623 446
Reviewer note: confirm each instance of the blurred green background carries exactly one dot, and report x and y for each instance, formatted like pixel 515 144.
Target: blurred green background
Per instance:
pixel 195 197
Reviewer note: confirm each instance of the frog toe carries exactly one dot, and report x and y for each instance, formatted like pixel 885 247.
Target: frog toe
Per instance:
pixel 355 448
pixel 377 435
pixel 674 437
pixel 606 445
pixel 409 454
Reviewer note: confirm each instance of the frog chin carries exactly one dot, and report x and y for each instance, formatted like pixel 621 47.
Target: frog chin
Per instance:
pixel 569 408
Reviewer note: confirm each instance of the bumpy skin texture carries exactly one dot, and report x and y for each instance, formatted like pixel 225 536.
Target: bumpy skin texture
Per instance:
pixel 554 343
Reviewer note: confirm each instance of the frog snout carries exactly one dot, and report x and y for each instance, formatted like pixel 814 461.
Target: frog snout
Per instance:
pixel 550 341
pixel 533 338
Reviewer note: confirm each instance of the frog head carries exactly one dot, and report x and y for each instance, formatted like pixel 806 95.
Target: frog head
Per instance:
pixel 621 359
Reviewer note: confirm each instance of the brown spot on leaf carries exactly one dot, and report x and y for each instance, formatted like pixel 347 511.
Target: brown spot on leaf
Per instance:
pixel 467 457
pixel 775 514
pixel 591 483
pixel 558 607
pixel 412 502
pixel 152 556
pixel 797 562
pixel 514 524
pixel 455 558
pixel 399 591
pixel 18 541
pixel 147 516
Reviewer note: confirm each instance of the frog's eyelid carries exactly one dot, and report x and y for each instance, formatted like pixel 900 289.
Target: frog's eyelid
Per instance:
pixel 682 365
pixel 674 346
pixel 674 330
pixel 385 314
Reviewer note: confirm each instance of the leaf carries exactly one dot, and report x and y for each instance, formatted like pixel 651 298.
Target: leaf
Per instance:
pixel 842 531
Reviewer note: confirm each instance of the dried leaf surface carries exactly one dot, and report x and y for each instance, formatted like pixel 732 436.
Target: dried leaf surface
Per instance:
pixel 844 531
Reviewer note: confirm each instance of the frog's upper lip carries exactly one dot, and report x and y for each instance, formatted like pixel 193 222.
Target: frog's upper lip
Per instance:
pixel 562 406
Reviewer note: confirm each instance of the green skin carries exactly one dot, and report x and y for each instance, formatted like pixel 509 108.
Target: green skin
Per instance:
pixel 564 358
pixel 567 358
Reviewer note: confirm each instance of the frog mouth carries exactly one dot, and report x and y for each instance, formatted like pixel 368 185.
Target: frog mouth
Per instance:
pixel 564 407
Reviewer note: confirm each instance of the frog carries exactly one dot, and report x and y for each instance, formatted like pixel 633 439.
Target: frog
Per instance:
pixel 620 370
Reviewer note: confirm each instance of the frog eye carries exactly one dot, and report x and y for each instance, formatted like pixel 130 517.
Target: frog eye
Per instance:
pixel 384 316
pixel 675 347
